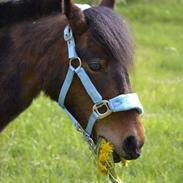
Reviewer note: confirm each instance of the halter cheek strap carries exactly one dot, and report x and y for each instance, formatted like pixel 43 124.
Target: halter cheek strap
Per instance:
pixel 122 102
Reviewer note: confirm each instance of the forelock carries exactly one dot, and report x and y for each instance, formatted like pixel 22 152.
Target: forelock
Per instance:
pixel 112 32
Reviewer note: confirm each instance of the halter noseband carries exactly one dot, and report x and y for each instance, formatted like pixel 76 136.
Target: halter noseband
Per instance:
pixel 121 102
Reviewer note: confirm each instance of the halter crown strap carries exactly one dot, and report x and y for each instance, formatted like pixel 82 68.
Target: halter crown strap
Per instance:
pixel 68 37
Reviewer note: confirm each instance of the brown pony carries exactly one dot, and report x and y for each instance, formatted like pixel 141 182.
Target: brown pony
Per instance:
pixel 33 58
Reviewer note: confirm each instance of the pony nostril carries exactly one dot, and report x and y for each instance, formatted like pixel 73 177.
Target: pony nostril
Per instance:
pixel 131 147
pixel 130 143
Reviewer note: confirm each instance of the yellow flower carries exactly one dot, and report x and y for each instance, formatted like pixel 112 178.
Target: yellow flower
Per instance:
pixel 106 147
pixel 105 162
pixel 103 157
pixel 125 162
pixel 102 168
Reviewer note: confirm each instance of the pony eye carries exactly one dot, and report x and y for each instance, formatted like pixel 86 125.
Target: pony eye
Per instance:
pixel 95 66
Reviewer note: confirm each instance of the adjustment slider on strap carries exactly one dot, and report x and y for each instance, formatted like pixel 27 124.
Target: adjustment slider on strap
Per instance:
pixel 102 109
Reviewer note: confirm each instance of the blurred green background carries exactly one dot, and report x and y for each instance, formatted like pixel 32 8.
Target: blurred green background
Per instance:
pixel 41 145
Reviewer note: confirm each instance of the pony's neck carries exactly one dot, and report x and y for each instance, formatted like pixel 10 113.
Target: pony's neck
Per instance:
pixel 45 51
pixel 37 61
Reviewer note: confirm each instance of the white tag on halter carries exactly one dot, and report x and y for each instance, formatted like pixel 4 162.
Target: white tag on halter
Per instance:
pixel 83 6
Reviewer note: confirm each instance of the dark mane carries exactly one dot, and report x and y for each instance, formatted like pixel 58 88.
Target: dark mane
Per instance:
pixel 13 11
pixel 112 32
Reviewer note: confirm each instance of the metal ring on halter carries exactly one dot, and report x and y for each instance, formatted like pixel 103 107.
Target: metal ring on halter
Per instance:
pixel 75 59
pixel 103 104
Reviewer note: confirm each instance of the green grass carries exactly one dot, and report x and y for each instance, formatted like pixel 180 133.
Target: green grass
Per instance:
pixel 41 145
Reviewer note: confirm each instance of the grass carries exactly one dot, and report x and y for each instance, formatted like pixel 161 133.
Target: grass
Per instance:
pixel 41 145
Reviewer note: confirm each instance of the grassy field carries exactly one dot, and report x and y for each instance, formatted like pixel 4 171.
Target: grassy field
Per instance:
pixel 41 145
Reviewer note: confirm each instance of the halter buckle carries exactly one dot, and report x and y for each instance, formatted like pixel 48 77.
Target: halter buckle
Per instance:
pixel 68 33
pixel 102 109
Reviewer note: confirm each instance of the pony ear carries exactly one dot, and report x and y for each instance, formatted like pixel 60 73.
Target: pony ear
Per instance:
pixel 75 17
pixel 108 3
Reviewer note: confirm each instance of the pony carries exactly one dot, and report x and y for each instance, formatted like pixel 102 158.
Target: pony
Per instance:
pixel 34 58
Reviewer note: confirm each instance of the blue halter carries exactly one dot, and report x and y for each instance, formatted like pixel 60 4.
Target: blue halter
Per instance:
pixel 122 102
